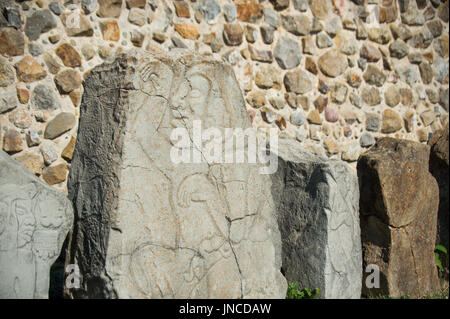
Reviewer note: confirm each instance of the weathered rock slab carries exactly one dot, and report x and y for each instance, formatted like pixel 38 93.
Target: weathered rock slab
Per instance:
pixel 398 212
pixel 146 227
pixel 34 222
pixel 439 161
pixel 318 215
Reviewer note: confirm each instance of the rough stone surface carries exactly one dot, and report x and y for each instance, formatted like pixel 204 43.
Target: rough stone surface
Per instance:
pixel 271 17
pixel 109 8
pixel 439 162
pixel 6 73
pixel 297 82
pixel 23 95
pixel 266 77
pixel 443 98
pixel 317 201
pixel 52 64
pixel 12 42
pixel 332 63
pixel 398 49
pixel 311 65
pixel 374 76
pixel 229 12
pixel 89 6
pixel 135 3
pixel 84 29
pixel 68 55
pixel 8 100
pixel 55 174
pixel 29 70
pixel 370 52
pixel 12 141
pixel 43 98
pixel 110 30
pixel 371 96
pixel 280 4
pixel 301 5
pixel 20 118
pixel 67 81
pixel 367 139
pixel 296 24
pixel 31 162
pixel 56 8
pixel 62 123
pixel 260 55
pixel 233 34
pixel 320 103
pixel 323 40
pixel 297 118
pixel 137 17
pixel 320 8
pixel 48 152
pixel 34 222
pixel 287 53
pixel 267 34
pixel 39 22
pixel 426 72
pixel 339 93
pixel 331 115
pixel 379 35
pixel 392 122
pixel 371 39
pixel 401 31
pixel 188 31
pixel 135 238
pixel 351 153
pixel 346 42
pixel 392 96
pixel 67 153
pixel 398 212
pixel 249 10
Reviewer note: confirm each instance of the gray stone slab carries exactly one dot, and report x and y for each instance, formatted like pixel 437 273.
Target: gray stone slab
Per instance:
pixel 34 222
pixel 317 201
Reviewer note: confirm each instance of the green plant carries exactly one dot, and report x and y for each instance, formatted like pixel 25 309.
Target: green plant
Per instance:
pixel 439 250
pixel 293 292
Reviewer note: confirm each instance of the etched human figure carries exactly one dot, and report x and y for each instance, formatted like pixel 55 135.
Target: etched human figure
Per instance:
pixel 148 254
pixel 205 199
pixel 204 227
pixel 148 270
pixel 50 216
pixel 201 199
pixel 196 98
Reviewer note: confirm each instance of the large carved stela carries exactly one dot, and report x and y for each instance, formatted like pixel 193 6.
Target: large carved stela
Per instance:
pixel 189 230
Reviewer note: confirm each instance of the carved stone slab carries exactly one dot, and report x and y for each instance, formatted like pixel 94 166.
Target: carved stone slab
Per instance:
pixel 34 222
pixel 318 216
pixel 146 227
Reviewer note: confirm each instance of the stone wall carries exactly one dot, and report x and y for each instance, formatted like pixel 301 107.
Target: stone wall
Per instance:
pixel 332 74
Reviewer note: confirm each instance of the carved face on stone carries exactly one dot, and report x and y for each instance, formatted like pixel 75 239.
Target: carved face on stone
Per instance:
pixel 192 96
pixel 48 216
pixel 198 95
